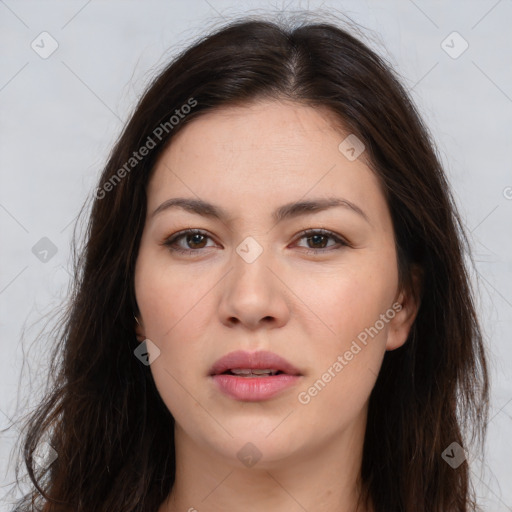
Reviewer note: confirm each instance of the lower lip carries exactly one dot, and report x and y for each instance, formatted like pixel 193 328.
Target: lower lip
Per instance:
pixel 254 389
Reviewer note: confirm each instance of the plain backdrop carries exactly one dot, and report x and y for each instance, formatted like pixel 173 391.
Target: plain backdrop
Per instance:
pixel 61 113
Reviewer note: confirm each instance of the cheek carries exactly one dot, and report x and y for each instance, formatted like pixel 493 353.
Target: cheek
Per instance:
pixel 356 305
pixel 350 299
pixel 171 298
pixel 176 310
pixel 346 364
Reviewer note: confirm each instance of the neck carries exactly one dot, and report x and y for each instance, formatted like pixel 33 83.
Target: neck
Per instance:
pixel 324 478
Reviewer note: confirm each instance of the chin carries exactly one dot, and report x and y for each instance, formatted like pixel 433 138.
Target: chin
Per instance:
pixel 262 447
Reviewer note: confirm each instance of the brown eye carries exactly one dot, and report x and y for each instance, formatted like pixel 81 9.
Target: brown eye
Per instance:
pixel 195 239
pixel 188 241
pixel 319 239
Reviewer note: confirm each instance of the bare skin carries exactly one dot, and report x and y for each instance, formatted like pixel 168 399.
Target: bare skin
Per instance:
pixel 306 307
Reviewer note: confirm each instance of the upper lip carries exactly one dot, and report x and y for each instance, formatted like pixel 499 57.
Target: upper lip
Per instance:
pixel 253 360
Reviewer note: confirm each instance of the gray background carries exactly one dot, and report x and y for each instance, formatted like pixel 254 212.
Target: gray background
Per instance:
pixel 62 113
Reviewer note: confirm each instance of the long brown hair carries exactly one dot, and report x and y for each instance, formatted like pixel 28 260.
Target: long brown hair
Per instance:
pixel 104 416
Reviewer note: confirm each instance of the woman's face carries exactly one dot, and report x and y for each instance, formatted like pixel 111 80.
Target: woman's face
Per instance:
pixel 251 280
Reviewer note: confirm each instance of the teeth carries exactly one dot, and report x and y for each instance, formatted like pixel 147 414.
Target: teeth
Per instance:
pixel 249 371
pixel 264 372
pixel 241 372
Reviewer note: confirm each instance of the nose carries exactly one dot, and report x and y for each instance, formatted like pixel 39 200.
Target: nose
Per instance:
pixel 253 295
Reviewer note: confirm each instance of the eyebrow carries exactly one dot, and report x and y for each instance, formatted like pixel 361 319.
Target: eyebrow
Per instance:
pixel 287 211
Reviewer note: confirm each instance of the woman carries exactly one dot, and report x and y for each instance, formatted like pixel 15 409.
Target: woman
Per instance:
pixel 272 309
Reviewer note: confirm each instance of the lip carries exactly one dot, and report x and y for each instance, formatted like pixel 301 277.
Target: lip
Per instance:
pixel 253 389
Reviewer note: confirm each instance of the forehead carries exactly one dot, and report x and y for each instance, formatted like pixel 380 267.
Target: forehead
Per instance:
pixel 263 153
pixel 233 128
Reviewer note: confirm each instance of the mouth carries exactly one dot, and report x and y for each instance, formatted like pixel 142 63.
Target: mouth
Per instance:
pixel 253 376
pixel 253 364
pixel 252 372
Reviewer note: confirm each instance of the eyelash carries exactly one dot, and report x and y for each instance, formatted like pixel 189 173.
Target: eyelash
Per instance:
pixel 171 241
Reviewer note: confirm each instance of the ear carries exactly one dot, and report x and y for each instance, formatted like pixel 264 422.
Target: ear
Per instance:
pixel 139 329
pixel 406 306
